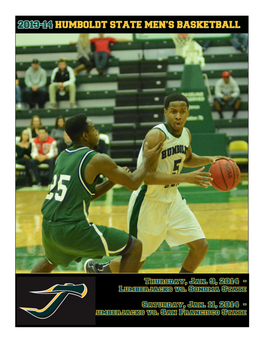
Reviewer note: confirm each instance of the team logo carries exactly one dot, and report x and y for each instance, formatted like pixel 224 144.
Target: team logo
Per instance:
pixel 61 292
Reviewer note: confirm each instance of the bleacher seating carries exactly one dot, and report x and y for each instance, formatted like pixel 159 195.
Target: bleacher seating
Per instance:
pixel 238 151
pixel 128 101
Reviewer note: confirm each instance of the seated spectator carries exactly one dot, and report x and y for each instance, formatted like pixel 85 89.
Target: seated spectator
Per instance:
pixel 58 132
pixel 227 92
pixel 18 95
pixel 84 54
pixel 240 41
pixel 206 45
pixel 66 142
pixel 62 80
pixel 23 151
pixel 44 150
pixel 36 80
pixel 34 127
pixel 102 51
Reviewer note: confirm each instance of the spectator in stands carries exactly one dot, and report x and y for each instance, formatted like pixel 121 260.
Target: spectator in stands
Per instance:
pixel 227 92
pixel 206 45
pixel 58 131
pixel 44 150
pixel 36 80
pixel 240 41
pixel 18 95
pixel 66 142
pixel 84 54
pixel 23 151
pixel 62 80
pixel 102 51
pixel 34 127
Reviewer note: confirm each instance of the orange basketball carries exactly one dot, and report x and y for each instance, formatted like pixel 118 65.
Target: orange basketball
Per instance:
pixel 182 36
pixel 225 174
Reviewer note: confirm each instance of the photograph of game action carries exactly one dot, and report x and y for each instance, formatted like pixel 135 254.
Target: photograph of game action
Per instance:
pixel 143 133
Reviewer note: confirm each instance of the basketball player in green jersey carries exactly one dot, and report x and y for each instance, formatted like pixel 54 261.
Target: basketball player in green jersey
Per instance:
pixel 67 234
pixel 156 211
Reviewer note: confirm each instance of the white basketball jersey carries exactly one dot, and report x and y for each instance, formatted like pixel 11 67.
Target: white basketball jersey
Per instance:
pixel 171 160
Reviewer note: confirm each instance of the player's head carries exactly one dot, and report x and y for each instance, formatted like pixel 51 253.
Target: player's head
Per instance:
pixel 81 130
pixel 176 111
pixel 174 98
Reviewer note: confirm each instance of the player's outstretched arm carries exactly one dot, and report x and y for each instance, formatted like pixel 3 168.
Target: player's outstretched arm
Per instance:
pixel 103 164
pixel 193 160
pixel 104 187
pixel 154 177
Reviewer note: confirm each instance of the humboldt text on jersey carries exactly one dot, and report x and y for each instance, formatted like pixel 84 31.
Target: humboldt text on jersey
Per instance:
pixel 174 150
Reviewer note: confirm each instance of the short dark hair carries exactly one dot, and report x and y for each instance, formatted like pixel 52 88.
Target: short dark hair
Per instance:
pixel 43 128
pixel 75 126
pixel 173 98
pixel 62 60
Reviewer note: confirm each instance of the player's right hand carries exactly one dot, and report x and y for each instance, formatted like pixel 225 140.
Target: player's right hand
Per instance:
pixel 151 155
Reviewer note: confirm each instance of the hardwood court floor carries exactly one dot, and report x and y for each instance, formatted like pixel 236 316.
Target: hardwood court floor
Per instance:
pixel 225 225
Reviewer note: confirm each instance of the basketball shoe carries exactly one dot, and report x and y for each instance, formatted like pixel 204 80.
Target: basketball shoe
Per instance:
pixel 90 266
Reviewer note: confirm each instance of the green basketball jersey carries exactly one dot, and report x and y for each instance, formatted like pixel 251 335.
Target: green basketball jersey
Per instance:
pixel 69 195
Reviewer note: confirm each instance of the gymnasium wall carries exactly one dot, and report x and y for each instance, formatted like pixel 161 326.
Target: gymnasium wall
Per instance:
pixel 57 39
pixel 140 75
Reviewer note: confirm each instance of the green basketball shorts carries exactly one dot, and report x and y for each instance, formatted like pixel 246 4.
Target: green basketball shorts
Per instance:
pixel 65 242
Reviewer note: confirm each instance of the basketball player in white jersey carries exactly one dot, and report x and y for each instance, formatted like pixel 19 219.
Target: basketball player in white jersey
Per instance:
pixel 157 211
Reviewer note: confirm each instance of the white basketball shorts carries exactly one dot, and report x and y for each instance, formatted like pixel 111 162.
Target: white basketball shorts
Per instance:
pixel 152 222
